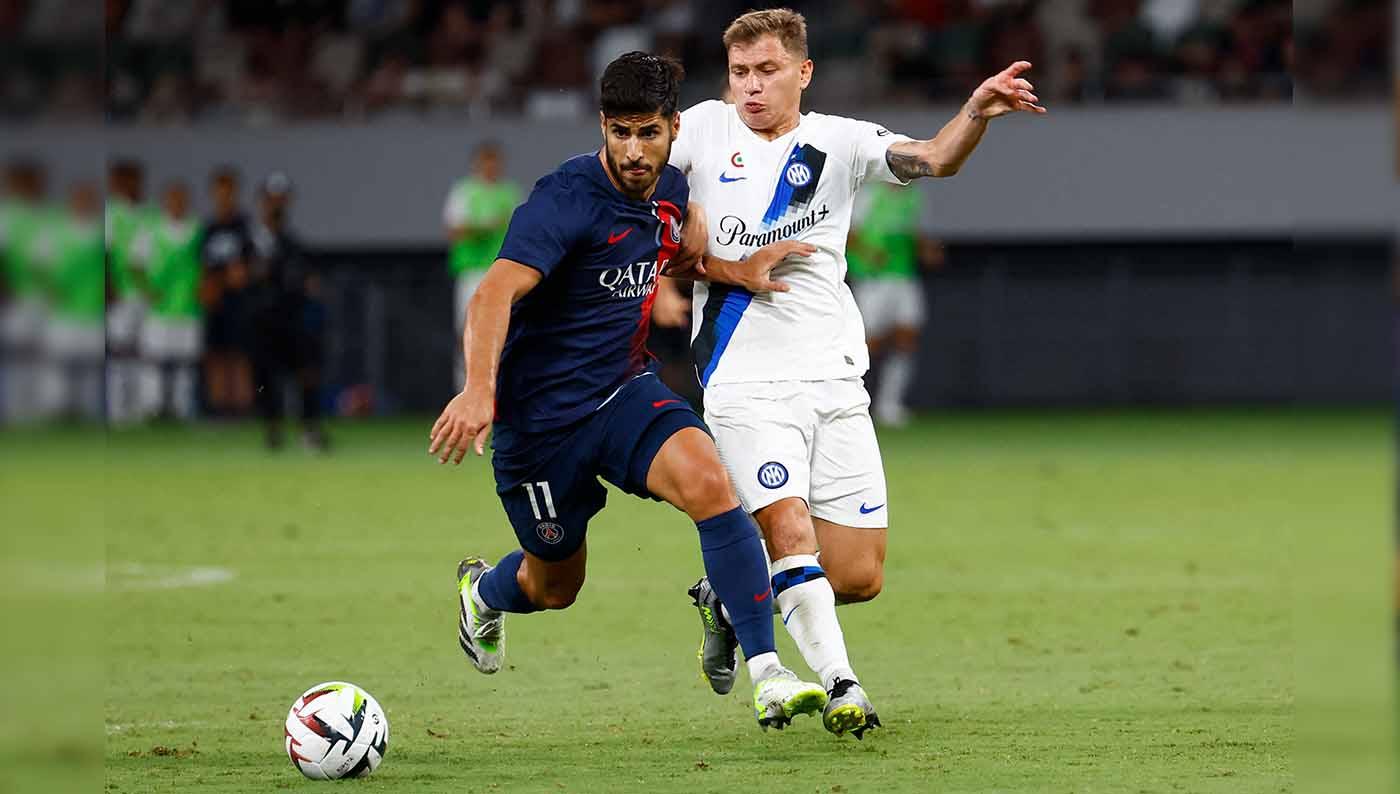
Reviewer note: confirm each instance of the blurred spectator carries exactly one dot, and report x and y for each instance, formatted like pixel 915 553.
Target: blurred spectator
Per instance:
pixel 169 20
pixel 476 215
pixel 65 20
pixel 23 218
pixel 165 261
pixel 284 60
pixel 69 263
pixel 127 219
pixel 225 253
pixel 75 96
pixel 285 318
pixel 171 100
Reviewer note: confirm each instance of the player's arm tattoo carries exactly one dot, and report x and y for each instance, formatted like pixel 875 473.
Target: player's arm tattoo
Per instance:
pixel 906 161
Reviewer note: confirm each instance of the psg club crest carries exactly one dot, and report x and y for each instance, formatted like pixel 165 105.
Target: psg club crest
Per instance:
pixel 668 234
pixel 772 475
pixel 549 532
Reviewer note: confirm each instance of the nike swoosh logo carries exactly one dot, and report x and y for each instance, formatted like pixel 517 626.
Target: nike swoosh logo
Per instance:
pixel 724 178
pixel 788 615
pixel 760 596
pixel 614 239
pixel 867 510
pixel 660 403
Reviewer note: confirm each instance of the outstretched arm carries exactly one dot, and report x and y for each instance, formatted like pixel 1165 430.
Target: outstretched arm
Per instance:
pixel 945 153
pixel 466 420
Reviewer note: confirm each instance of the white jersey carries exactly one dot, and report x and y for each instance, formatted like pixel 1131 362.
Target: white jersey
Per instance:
pixel 799 186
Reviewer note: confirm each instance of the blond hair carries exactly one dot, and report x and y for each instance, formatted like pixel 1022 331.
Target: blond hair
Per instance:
pixel 787 25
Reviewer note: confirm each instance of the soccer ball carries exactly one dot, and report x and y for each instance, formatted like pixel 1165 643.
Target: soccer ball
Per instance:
pixel 336 730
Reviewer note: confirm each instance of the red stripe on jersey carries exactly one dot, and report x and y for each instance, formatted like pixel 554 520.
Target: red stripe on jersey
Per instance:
pixel 668 240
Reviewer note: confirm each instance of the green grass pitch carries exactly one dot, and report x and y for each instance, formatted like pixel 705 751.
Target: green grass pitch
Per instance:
pixel 1073 602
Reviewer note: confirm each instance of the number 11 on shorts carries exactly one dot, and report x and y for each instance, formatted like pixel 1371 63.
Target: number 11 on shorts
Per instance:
pixel 548 499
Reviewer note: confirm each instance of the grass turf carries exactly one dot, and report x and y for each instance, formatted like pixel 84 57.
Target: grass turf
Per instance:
pixel 1073 602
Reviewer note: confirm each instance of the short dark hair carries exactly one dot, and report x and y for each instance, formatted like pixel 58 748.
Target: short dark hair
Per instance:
pixel 224 173
pixel 639 83
pixel 126 166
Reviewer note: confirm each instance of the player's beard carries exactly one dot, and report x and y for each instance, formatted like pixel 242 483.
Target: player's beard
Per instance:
pixel 619 175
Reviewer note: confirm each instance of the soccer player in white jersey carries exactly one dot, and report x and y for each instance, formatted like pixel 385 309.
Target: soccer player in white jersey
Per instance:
pixel 781 351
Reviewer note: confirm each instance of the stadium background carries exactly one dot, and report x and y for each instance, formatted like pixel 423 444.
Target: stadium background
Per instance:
pixel 1172 235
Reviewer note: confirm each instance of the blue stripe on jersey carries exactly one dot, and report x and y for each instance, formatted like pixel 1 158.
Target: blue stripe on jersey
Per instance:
pixel 735 303
pixel 782 195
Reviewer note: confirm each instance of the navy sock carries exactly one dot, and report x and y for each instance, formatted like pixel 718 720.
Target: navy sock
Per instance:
pixel 738 573
pixel 500 591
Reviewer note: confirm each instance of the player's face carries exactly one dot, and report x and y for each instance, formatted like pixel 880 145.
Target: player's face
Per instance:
pixel 177 202
pixel 225 196
pixel 83 201
pixel 767 82
pixel 637 148
pixel 488 164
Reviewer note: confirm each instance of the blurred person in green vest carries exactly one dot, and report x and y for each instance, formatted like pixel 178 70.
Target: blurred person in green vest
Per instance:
pixel 22 305
pixel 126 217
pixel 883 254
pixel 70 263
pixel 165 261
pixel 476 215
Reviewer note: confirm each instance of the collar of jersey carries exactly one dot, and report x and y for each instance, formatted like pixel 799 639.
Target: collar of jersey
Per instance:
pixel 801 119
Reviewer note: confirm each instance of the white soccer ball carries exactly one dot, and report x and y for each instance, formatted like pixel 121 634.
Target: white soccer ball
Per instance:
pixel 336 730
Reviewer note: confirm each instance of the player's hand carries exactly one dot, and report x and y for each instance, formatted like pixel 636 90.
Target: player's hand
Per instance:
pixel 464 423
pixel 671 309
pixel 1006 93
pixel 756 273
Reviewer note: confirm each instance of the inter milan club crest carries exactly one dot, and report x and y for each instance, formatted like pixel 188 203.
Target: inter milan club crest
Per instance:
pixel 772 475
pixel 798 175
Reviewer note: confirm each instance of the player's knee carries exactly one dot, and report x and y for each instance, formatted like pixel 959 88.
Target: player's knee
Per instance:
pixel 857 584
pixel 787 528
pixel 560 596
pixel 557 592
pixel 706 492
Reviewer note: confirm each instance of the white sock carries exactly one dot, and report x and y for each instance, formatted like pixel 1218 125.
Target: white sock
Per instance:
pixel 894 382
pixel 760 665
pixel 808 607
pixel 482 610
pixel 151 389
pixel 182 394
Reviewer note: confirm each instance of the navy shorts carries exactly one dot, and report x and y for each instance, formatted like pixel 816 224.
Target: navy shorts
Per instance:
pixel 548 482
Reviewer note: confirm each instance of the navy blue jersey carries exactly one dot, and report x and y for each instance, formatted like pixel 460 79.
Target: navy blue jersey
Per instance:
pixel 581 333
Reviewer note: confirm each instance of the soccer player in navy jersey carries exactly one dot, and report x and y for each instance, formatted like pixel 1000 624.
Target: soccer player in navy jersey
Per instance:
pixel 557 364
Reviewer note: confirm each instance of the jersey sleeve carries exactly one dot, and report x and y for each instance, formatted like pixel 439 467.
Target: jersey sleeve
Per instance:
pixel 870 143
pixel 695 122
pixel 544 228
pixel 456 209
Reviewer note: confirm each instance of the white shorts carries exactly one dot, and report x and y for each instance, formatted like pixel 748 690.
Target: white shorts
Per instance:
pixel 466 288
pixel 810 439
pixel 124 323
pixel 67 339
pixel 889 303
pixel 173 339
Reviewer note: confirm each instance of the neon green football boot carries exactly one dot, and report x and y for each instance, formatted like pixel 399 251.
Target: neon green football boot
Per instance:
pixel 481 633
